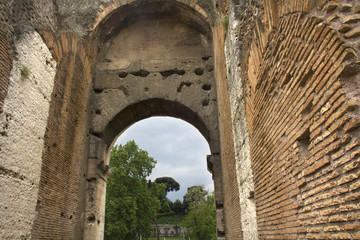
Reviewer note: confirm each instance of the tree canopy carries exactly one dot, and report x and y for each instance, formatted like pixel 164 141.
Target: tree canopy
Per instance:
pixel 194 195
pixel 171 184
pixel 131 205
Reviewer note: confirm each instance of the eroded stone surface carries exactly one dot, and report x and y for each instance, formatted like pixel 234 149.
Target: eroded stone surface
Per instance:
pixel 23 124
pixel 240 132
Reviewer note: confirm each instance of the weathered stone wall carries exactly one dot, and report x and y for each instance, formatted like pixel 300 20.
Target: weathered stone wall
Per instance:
pixel 230 191
pixel 233 50
pixel 22 125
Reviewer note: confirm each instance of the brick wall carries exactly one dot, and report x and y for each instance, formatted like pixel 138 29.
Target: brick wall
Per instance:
pixel 61 199
pixel 5 51
pixel 5 66
pixel 303 119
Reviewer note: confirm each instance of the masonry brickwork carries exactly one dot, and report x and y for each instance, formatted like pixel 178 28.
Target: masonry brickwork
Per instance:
pixel 272 85
pixel 303 121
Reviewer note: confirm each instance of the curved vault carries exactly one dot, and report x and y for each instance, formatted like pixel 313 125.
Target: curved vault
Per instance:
pixel 155 58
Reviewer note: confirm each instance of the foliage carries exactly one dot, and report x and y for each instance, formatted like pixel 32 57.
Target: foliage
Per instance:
pixel 25 72
pixel 201 220
pixel 171 184
pixel 178 206
pixel 194 195
pixel 131 205
pixel 165 207
pixel 170 218
pixel 225 22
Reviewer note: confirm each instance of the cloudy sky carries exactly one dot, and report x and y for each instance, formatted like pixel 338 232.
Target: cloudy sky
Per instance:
pixel 179 149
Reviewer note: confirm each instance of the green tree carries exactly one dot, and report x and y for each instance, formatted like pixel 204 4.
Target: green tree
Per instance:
pixel 171 184
pixel 165 207
pixel 194 195
pixel 201 220
pixel 131 205
pixel 178 206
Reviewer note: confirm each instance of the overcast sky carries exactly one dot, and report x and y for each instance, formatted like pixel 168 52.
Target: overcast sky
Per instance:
pixel 179 149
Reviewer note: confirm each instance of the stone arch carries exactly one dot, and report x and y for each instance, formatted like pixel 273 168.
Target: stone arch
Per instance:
pixel 153 108
pixel 155 58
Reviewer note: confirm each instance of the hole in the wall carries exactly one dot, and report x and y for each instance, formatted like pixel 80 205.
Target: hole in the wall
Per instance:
pixel 206 87
pixel 96 134
pixel 38 205
pixel 182 84
pixel 97 111
pixel 307 109
pixel 122 74
pixel 96 90
pixel 286 80
pixel 54 145
pixel 70 217
pixel 205 58
pixel 91 218
pixel 146 89
pixel 98 221
pixel 251 195
pixel 304 142
pixel 306 78
pixel 205 102
pixel 170 72
pixel 140 73
pixel 199 71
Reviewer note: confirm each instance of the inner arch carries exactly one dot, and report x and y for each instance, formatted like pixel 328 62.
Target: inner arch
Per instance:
pixel 151 108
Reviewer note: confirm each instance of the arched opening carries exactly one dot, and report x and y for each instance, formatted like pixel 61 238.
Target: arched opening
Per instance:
pixel 155 58
pixel 180 151
pixel 102 143
pixel 178 147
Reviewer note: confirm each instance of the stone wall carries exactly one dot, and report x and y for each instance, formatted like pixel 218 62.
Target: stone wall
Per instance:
pixel 22 126
pixel 233 50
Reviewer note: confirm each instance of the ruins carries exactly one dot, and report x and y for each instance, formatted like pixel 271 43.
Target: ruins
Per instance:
pixel 272 85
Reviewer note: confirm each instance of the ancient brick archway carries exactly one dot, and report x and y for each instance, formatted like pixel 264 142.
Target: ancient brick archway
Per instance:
pixel 155 59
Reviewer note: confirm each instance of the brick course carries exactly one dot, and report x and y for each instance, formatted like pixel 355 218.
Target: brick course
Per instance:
pixel 61 199
pixel 303 138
